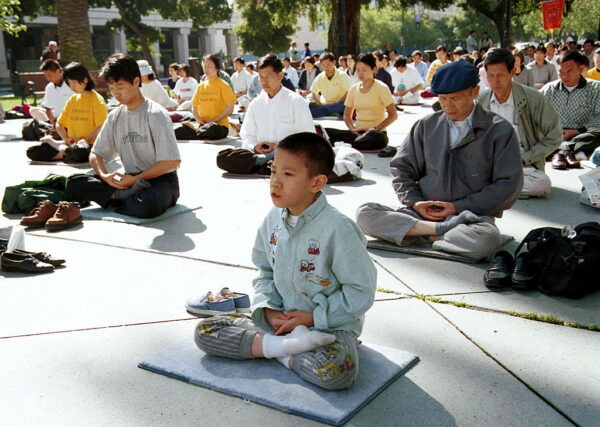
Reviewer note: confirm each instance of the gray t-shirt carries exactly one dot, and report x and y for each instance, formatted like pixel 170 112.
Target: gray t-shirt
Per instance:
pixel 141 137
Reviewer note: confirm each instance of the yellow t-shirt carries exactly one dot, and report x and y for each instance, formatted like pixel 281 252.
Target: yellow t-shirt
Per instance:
pixel 369 106
pixel 331 90
pixel 593 73
pixel 83 113
pixel 211 97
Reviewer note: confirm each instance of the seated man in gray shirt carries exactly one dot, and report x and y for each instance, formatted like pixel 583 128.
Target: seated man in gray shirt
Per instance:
pixel 456 170
pixel 140 132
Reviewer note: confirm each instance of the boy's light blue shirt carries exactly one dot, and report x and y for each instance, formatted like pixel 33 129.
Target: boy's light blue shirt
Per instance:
pixel 320 266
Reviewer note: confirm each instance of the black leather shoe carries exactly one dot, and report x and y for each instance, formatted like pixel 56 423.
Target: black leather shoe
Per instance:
pixel 497 276
pixel 388 152
pixel 43 257
pixel 23 263
pixel 522 277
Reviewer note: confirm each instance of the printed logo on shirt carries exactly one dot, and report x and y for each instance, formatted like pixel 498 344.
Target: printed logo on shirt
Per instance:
pixel 315 278
pixel 306 265
pixel 274 236
pixel 134 138
pixel 313 247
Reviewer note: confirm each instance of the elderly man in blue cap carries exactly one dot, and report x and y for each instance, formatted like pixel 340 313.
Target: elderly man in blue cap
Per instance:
pixel 456 170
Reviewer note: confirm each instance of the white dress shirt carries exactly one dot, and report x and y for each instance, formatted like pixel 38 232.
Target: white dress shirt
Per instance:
pixel 507 112
pixel 272 119
pixel 292 74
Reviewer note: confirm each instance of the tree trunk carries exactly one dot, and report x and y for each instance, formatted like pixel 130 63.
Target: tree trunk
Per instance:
pixel 133 26
pixel 351 21
pixel 74 32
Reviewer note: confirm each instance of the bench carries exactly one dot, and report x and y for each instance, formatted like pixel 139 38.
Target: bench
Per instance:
pixel 34 83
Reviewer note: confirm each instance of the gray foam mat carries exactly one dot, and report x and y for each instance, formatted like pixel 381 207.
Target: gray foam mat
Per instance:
pixel 267 382
pixel 110 215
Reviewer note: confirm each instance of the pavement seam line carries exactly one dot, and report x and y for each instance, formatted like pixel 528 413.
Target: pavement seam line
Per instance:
pixel 150 251
pixel 551 319
pixel 95 328
pixel 502 365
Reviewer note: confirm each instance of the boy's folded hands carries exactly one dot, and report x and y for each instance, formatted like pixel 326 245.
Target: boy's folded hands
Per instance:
pixel 284 322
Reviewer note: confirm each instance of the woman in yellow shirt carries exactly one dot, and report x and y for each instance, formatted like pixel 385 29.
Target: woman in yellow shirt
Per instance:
pixel 212 102
pixel 78 124
pixel 374 106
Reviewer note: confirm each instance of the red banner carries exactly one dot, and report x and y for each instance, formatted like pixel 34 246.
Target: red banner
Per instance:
pixel 552 11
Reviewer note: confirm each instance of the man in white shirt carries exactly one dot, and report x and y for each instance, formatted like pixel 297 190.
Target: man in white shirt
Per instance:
pixel 240 80
pixel 290 72
pixel 274 114
pixel 536 123
pixel 407 83
pixel 55 95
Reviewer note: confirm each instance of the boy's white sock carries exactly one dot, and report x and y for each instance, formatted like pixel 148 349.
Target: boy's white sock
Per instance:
pixel 285 361
pixel 298 341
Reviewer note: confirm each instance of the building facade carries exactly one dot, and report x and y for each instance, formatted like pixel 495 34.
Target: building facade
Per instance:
pixel 181 41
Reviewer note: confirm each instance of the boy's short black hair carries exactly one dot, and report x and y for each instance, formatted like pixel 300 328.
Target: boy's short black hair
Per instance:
pixel 120 66
pixel 367 59
pixel 574 55
pixel 270 60
pixel 400 62
pixel 310 59
pixel 175 66
pixel 540 48
pixel 240 60
pixel 318 154
pixel 215 60
pixel 51 65
pixel 500 56
pixel 327 55
pixel 251 66
pixel 286 59
pixel 441 48
pixel 77 71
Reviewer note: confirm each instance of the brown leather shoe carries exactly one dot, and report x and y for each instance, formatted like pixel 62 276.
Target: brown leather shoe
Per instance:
pixel 39 215
pixel 572 162
pixel 67 215
pixel 559 161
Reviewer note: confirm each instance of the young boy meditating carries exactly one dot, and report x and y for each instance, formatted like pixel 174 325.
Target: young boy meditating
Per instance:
pixel 315 282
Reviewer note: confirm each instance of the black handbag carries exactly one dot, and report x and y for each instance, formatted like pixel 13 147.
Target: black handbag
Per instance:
pixel 565 261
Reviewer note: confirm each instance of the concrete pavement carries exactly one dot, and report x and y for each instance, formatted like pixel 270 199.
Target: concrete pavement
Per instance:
pixel 70 341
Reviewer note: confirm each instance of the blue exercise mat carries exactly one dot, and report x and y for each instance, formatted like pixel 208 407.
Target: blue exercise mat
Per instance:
pixel 267 382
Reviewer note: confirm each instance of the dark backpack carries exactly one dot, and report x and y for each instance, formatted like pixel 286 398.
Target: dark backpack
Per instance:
pixel 32 130
pixel 565 261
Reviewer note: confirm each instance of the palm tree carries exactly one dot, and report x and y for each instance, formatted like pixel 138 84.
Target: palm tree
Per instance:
pixel 74 32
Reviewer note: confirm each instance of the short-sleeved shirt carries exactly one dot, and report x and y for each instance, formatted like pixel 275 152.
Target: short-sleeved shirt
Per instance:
pixel 332 90
pixel 593 73
pixel 56 97
pixel 185 90
pixel 211 98
pixel 370 106
pixel 406 80
pixel 141 137
pixel 83 113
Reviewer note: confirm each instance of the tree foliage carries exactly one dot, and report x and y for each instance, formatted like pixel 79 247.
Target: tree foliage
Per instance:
pixel 266 25
pixel 9 9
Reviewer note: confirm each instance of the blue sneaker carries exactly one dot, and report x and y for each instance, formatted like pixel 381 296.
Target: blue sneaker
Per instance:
pixel 208 305
pixel 241 301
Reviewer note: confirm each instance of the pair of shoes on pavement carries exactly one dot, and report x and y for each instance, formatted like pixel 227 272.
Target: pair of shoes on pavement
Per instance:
pixel 54 217
pixel 565 160
pixel 225 302
pixel 506 271
pixel 27 262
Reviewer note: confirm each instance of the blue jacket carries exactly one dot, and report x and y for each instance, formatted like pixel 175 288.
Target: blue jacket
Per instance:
pixel 320 266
